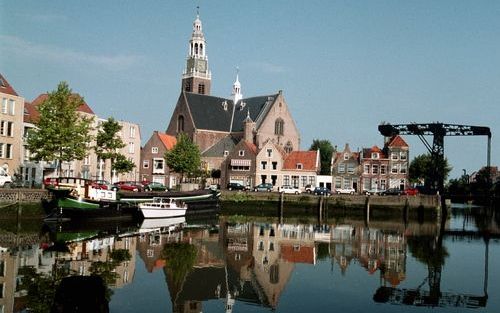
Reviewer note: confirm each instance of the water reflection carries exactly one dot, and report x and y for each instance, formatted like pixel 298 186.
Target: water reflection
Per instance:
pixel 236 261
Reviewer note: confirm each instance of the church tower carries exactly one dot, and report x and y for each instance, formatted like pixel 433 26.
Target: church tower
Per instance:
pixel 196 77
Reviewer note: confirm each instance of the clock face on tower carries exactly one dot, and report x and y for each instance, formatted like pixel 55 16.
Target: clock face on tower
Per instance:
pixel 201 66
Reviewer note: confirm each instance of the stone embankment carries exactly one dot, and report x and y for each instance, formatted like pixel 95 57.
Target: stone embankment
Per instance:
pixel 22 195
pixel 346 201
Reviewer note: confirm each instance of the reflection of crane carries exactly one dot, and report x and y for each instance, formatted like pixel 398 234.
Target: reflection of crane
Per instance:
pixel 434 297
pixel 438 130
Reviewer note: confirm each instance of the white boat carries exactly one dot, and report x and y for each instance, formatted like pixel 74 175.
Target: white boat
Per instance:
pixel 162 207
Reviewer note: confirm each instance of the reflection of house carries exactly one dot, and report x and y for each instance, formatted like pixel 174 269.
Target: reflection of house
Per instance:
pixel 150 246
pixel 153 167
pixel 83 254
pixel 373 249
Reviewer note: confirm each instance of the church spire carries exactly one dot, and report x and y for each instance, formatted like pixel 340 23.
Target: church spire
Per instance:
pixel 197 77
pixel 237 96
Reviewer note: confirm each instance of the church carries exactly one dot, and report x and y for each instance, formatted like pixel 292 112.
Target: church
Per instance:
pixel 217 124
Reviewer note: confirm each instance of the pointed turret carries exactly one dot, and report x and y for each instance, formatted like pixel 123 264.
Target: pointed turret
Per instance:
pixel 237 96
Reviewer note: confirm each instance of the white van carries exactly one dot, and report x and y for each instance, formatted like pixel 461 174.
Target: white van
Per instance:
pixel 4 177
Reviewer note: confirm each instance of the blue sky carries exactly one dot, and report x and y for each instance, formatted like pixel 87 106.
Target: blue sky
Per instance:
pixel 344 66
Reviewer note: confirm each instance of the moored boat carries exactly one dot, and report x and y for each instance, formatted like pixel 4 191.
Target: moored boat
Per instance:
pixel 76 198
pixel 161 207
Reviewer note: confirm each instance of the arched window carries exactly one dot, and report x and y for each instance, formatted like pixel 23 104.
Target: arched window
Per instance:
pixel 187 86
pixel 201 89
pixel 195 48
pixel 180 124
pixel 201 48
pixel 279 127
pixel 288 147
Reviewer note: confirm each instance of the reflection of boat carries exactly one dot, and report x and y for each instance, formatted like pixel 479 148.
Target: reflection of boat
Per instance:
pixel 166 224
pixel 79 229
pixel 161 207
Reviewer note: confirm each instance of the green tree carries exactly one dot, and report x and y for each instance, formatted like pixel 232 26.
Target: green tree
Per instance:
pixel 326 151
pixel 122 165
pixel 184 157
pixel 108 143
pixel 61 132
pixel 420 169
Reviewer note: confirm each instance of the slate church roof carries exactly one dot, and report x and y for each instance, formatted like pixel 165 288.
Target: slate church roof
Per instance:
pixel 219 114
pixel 225 144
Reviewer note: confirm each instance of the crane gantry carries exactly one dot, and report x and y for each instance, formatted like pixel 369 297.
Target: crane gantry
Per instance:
pixel 438 131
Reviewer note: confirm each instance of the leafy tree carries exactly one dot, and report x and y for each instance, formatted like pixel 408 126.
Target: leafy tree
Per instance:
pixel 62 133
pixel 184 157
pixel 122 165
pixel 326 151
pixel 420 169
pixel 108 142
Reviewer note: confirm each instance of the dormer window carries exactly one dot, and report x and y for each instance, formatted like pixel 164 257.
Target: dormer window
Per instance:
pixel 224 105
pixel 374 155
pixel 226 153
pixel 299 166
pixel 346 156
pixel 241 153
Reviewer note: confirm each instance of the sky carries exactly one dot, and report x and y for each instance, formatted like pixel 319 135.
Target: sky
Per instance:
pixel 344 66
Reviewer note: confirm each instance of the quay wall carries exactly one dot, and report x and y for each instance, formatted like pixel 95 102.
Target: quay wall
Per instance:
pixel 23 195
pixel 345 201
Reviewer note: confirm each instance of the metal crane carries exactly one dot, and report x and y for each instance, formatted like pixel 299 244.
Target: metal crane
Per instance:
pixel 439 131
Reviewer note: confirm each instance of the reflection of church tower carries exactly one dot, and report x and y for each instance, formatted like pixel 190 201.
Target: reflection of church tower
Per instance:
pixel 196 77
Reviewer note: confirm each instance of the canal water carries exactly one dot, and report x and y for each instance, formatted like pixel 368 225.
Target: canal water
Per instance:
pixel 243 263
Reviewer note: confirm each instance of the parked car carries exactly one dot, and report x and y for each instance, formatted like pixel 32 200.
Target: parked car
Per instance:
pixel 373 191
pixel 322 191
pixel 308 188
pixel 155 186
pixel 392 192
pixel 345 191
pixel 236 186
pixel 411 191
pixel 263 187
pixel 104 184
pixel 213 187
pixel 129 186
pixel 289 189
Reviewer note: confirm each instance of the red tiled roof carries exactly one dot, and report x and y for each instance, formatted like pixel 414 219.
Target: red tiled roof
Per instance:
pixel 5 87
pixel 397 141
pixel 167 140
pixel 302 254
pixel 31 114
pixel 306 158
pixel 82 108
pixel 367 152
pixel 251 147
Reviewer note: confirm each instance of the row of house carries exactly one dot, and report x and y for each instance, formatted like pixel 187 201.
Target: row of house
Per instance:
pixel 372 169
pixel 17 116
